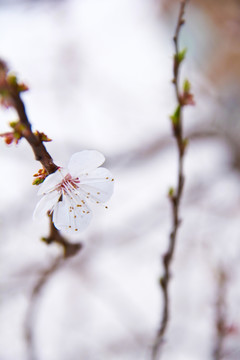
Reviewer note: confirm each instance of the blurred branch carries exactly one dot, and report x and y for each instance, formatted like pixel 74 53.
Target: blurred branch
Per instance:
pixel 29 321
pixel 220 323
pixel 154 146
pixel 223 328
pixel 175 195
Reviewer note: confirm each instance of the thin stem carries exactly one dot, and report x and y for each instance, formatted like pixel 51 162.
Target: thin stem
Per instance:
pixel 174 196
pixel 221 321
pixel 36 144
pixel 31 311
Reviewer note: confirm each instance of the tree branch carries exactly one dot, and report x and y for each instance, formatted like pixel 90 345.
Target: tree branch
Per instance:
pixel 174 195
pixel 10 96
pixel 34 141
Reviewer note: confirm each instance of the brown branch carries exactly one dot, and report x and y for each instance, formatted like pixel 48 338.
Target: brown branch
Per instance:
pixel 55 236
pixel 34 141
pixel 10 95
pixel 44 157
pixel 174 195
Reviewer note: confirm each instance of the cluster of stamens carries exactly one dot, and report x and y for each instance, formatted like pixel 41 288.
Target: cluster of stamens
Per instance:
pixel 68 184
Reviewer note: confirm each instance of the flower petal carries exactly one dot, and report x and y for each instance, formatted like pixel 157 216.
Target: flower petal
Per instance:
pixel 70 216
pixel 46 204
pixel 98 185
pixel 52 181
pixel 84 161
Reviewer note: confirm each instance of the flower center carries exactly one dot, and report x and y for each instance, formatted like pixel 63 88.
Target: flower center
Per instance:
pixel 68 184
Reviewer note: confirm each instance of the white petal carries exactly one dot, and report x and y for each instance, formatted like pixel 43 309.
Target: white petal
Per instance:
pixel 98 185
pixel 52 181
pixel 70 216
pixel 46 204
pixel 97 175
pixel 85 161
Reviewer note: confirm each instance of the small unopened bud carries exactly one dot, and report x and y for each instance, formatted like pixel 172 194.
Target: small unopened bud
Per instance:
pixel 180 56
pixel 10 137
pixel 40 176
pixel 171 192
pixel 186 97
pixel 42 136
pixel 175 117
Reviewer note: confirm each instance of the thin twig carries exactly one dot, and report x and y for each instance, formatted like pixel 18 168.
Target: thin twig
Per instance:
pixel 174 195
pixel 10 96
pixel 221 320
pixel 34 141
pixel 29 321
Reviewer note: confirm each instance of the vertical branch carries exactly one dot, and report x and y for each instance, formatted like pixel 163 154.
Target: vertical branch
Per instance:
pixel 221 321
pixel 183 98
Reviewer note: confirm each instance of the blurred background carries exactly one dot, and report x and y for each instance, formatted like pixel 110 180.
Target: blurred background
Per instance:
pixel 99 73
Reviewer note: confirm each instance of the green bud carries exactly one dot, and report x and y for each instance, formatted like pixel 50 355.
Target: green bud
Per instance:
pixel 171 192
pixel 176 115
pixel 37 181
pixel 162 282
pixel 181 55
pixel 17 135
pixel 186 86
pixel 185 142
pixel 13 124
pixel 12 79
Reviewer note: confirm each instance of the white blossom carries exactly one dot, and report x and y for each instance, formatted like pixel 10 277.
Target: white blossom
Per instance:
pixel 68 191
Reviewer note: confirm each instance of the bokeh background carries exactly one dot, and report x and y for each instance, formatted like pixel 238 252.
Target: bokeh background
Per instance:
pixel 99 73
